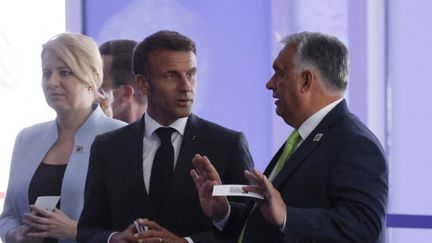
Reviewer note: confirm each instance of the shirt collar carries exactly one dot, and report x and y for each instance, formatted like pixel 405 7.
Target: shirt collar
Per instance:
pixel 151 125
pixel 312 122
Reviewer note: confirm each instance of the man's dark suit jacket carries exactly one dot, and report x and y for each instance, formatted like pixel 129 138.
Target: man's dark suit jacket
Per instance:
pixel 334 185
pixel 115 194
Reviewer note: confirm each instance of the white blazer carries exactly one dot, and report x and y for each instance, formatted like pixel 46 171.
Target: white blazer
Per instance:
pixel 31 145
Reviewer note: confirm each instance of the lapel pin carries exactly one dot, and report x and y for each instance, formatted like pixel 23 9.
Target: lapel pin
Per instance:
pixel 317 137
pixel 80 148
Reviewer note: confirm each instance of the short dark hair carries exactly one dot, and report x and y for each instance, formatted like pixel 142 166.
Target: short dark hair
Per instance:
pixel 161 40
pixel 105 48
pixel 121 52
pixel 113 47
pixel 325 53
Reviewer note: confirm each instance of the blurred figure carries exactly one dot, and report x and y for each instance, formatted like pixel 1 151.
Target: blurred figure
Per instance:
pixel 51 158
pixel 106 53
pixel 329 181
pixel 142 170
pixel 128 102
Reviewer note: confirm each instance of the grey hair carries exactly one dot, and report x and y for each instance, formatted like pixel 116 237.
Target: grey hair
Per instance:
pixel 323 53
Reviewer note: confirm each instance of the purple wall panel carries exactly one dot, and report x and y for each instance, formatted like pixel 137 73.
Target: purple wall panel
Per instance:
pixel 409 77
pixel 233 55
pixel 358 83
pixel 236 45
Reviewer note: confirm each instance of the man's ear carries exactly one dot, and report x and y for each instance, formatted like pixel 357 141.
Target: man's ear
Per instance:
pixel 127 92
pixel 307 77
pixel 142 83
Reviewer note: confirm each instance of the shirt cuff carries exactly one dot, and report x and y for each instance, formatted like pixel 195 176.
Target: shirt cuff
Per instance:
pixel 188 239
pixel 109 238
pixel 282 227
pixel 220 225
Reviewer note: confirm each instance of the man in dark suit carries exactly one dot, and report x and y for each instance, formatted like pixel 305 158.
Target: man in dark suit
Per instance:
pixel 329 182
pixel 125 181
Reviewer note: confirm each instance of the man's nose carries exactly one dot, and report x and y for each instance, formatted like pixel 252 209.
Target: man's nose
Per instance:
pixel 270 84
pixel 185 83
pixel 53 79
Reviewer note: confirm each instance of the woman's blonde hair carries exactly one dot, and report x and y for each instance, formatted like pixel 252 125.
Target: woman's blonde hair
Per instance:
pixel 81 54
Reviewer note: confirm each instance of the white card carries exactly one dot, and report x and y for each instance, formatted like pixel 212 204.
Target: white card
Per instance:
pixel 234 190
pixel 47 202
pixel 140 228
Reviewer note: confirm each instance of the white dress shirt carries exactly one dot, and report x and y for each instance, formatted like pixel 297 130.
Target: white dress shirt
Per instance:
pixel 151 143
pixel 312 122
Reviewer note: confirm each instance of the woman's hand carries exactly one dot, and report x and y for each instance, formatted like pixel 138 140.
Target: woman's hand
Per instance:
pixel 54 224
pixel 19 235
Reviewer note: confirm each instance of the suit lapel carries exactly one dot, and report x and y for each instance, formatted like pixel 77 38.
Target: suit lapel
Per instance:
pixel 186 153
pixel 273 162
pixel 135 150
pixel 315 138
pixel 300 155
pixel 184 161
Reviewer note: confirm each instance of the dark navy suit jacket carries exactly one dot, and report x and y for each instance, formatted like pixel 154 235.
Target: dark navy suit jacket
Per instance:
pixel 115 194
pixel 335 187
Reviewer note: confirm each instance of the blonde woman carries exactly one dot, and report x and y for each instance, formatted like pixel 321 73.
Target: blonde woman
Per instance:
pixel 51 159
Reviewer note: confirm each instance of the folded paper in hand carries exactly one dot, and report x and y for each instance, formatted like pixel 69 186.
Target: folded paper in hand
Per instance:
pixel 47 202
pixel 234 190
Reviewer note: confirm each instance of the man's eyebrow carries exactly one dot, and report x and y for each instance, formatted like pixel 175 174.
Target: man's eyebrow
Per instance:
pixel 192 69
pixel 276 68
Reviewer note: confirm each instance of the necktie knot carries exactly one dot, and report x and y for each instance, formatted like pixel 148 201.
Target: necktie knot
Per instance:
pixel 164 134
pixel 289 148
pixel 294 138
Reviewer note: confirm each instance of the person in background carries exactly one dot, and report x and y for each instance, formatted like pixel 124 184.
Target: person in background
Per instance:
pixel 51 158
pixel 141 171
pixel 128 102
pixel 106 53
pixel 329 181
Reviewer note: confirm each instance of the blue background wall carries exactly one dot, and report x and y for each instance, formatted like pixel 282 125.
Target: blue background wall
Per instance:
pixel 389 44
pixel 237 41
pixel 233 55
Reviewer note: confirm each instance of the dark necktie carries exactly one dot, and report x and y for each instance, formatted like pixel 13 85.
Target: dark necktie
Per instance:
pixel 162 169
